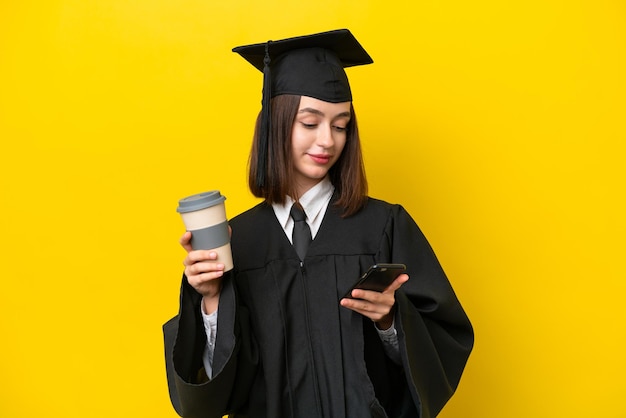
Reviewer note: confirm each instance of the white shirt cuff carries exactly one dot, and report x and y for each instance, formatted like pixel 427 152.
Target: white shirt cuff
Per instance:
pixel 210 328
pixel 389 338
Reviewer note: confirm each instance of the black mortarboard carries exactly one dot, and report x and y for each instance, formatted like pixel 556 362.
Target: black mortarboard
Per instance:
pixel 311 65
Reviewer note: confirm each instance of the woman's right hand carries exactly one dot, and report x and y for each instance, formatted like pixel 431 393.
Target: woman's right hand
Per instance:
pixel 203 273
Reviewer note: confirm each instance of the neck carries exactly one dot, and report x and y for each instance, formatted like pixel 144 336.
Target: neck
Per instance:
pixel 302 188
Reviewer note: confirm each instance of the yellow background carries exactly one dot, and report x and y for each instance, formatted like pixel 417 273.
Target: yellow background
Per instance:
pixel 498 125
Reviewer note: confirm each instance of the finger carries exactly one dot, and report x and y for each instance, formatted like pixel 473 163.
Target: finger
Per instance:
pixel 373 296
pixel 207 284
pixel 205 277
pixel 199 256
pixel 397 283
pixel 203 267
pixel 364 306
pixel 367 309
pixel 363 294
pixel 185 241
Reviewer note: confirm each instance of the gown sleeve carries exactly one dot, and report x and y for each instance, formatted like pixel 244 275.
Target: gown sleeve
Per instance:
pixel 234 360
pixel 435 335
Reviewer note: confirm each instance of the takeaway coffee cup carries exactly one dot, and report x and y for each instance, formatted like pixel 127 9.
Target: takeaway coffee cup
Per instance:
pixel 204 215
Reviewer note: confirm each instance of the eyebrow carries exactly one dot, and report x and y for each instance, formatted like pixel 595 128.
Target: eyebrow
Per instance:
pixel 317 112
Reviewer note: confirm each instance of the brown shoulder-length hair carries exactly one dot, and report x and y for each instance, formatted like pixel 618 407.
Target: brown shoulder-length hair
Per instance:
pixel 347 174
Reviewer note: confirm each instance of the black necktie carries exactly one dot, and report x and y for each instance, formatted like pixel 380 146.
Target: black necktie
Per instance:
pixel 301 237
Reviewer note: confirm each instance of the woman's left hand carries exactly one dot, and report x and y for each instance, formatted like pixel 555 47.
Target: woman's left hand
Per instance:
pixel 376 306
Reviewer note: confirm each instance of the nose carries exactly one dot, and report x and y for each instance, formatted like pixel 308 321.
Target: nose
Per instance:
pixel 325 137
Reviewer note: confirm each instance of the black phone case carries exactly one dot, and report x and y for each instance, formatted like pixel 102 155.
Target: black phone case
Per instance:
pixel 378 277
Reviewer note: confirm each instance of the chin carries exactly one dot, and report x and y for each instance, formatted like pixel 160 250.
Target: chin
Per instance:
pixel 318 175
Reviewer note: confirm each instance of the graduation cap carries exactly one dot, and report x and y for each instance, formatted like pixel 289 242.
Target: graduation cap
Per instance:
pixel 311 65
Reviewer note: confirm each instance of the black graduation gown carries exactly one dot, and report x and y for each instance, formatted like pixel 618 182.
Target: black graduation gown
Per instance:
pixel 286 348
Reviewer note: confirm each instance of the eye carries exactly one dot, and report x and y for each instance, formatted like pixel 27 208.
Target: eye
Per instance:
pixel 340 128
pixel 309 125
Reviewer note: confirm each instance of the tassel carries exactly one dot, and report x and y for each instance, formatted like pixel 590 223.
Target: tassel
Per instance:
pixel 264 134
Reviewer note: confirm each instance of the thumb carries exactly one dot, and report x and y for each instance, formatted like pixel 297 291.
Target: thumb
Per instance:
pixel 397 283
pixel 185 241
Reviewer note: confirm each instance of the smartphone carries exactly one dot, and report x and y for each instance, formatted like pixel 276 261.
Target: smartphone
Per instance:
pixel 378 277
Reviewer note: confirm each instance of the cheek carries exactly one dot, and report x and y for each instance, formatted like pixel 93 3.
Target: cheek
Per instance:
pixel 298 139
pixel 340 144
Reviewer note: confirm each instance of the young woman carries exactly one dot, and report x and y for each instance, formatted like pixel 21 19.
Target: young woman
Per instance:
pixel 275 336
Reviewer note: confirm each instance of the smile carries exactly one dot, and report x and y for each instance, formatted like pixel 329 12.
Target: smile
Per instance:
pixel 320 158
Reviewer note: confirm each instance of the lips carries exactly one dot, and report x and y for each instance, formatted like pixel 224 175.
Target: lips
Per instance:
pixel 321 158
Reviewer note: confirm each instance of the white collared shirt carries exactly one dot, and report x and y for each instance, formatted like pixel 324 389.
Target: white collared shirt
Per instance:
pixel 314 202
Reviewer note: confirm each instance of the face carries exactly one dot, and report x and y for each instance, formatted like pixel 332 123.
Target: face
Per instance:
pixel 317 139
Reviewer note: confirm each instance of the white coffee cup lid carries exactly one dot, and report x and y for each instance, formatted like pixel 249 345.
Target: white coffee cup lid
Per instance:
pixel 200 201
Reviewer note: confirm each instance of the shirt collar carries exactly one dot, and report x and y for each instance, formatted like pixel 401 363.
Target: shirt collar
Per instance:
pixel 313 201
